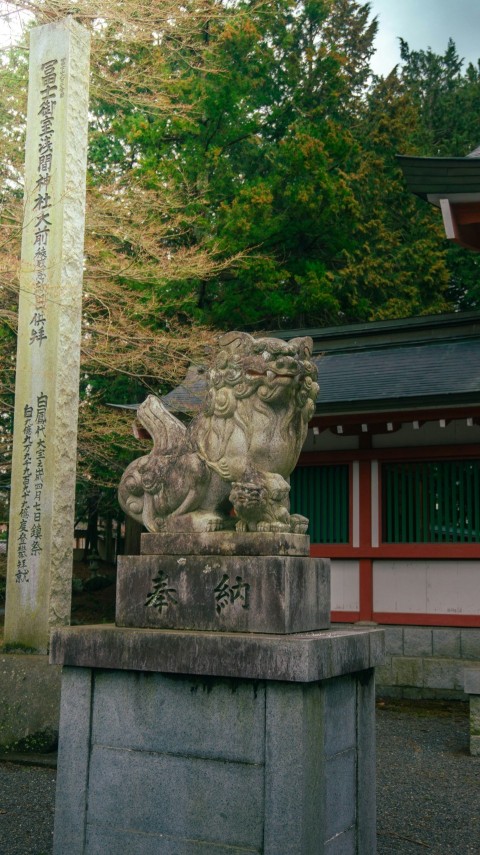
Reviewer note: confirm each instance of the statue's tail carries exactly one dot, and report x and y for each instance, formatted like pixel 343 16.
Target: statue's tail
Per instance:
pixel 140 480
pixel 166 431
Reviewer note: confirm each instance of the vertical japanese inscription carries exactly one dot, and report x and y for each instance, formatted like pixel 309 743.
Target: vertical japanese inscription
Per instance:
pixel 42 203
pixel 30 523
pixel 22 560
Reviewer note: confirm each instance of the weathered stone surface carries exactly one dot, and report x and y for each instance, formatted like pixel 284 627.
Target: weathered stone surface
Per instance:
pixel 110 842
pixel 238 454
pixel 295 771
pixel 384 674
pixel 341 799
pixel 188 797
pixel 29 697
pixel 417 641
pixel 349 653
pixel 226 543
pixel 340 715
pixel 471 680
pixel 156 718
pixel 49 329
pixel 302 657
pixel 475 715
pixel 377 645
pixel 394 640
pixel 407 671
pixel 366 765
pixel 439 673
pixel 472 688
pixel 436 675
pixel 227 593
pixel 73 760
pixel 221 765
pixel 475 746
pixel 344 843
pixel 470 643
pixel 447 642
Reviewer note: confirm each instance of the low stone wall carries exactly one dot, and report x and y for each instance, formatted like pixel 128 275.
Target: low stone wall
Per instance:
pixel 472 689
pixel 427 662
pixel 29 701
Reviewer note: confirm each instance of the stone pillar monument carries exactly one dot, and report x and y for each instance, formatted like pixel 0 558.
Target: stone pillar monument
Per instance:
pixel 48 355
pixel 220 714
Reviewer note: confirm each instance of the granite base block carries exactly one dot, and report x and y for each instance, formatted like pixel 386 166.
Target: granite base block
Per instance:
pixel 230 593
pixel 174 764
pixel 225 543
pixel 299 658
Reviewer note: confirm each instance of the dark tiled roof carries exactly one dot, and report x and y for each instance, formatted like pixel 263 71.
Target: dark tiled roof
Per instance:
pixel 418 330
pixel 446 175
pixel 190 395
pixel 422 374
pixel 425 371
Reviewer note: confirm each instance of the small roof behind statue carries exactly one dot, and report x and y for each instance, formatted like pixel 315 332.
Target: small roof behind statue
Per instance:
pixel 427 361
pixel 189 396
pixel 453 185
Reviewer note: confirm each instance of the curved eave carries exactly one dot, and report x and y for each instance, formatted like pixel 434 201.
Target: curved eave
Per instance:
pixel 442 177
pixel 396 405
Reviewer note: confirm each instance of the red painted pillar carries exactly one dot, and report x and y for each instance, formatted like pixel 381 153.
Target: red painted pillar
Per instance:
pixel 366 564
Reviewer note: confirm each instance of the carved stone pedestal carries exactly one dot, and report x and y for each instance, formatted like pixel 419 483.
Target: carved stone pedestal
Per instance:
pixel 217 582
pixel 199 742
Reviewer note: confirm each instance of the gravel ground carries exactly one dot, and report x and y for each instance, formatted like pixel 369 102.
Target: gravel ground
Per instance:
pixel 27 795
pixel 428 785
pixel 428 788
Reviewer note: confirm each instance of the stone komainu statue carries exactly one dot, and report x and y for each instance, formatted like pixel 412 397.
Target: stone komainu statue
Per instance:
pixel 238 453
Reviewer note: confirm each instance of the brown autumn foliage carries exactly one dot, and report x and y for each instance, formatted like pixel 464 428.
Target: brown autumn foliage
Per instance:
pixel 136 337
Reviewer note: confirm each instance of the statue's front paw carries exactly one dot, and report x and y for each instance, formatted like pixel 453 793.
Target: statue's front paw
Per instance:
pixel 279 526
pixel 272 526
pixel 241 526
pixel 299 524
pixel 299 529
pixel 214 525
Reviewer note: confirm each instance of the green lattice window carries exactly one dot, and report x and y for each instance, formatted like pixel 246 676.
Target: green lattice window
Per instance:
pixel 431 502
pixel 321 493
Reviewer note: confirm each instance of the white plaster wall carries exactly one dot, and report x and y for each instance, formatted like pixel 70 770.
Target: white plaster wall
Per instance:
pixel 427 587
pixel 429 434
pixel 328 441
pixel 344 582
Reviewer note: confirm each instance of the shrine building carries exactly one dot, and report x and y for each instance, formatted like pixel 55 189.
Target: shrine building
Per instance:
pixel 389 477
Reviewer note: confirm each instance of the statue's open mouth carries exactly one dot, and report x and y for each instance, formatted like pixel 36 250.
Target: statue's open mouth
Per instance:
pixel 271 375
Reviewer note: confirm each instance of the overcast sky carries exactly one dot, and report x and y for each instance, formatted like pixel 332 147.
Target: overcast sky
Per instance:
pixel 423 24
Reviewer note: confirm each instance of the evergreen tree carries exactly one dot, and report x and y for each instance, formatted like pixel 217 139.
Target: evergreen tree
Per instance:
pixel 242 173
pixel 447 100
